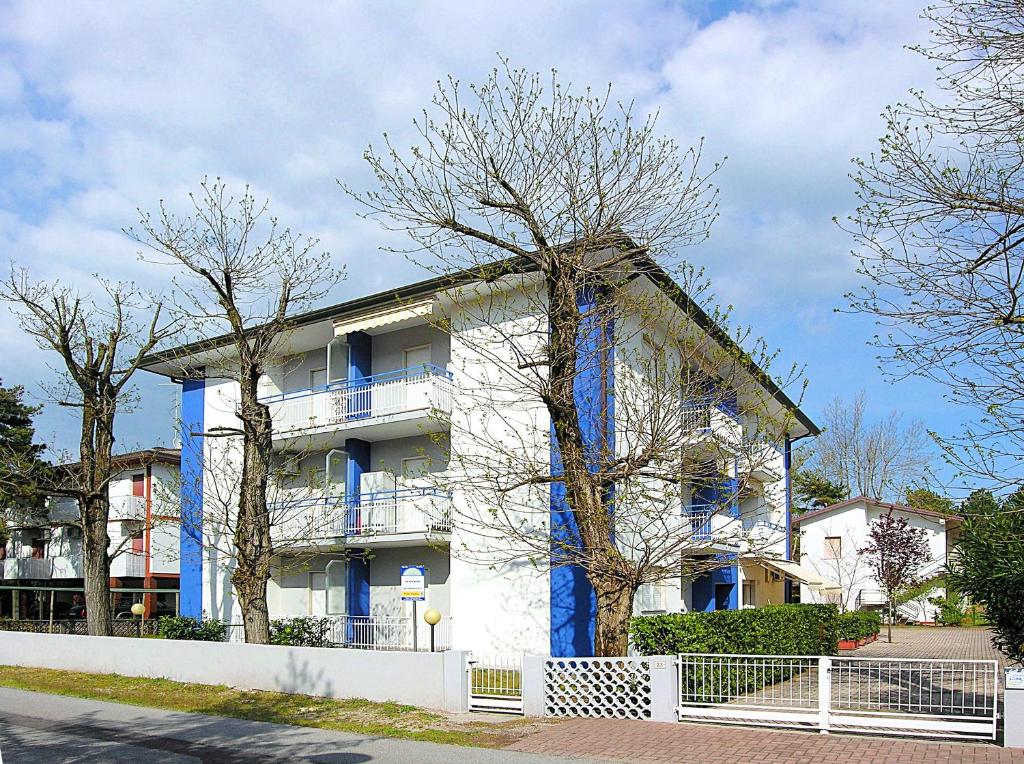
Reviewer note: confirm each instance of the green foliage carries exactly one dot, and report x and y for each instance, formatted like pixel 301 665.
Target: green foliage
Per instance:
pixel 301 632
pixel 927 499
pixel 951 610
pixel 186 627
pixel 813 490
pixel 859 624
pixel 772 630
pixel 989 565
pixel 21 466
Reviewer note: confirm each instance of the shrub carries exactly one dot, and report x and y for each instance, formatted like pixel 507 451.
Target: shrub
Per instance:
pixel 859 624
pixel 186 627
pixel 951 610
pixel 301 632
pixel 773 630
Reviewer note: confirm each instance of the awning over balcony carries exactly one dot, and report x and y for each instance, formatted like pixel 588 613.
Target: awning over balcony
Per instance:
pixel 408 314
pixel 796 572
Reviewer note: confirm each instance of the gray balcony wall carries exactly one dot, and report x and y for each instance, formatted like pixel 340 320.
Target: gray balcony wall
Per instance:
pixel 388 348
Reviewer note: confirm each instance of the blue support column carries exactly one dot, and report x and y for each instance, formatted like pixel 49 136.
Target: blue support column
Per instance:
pixel 190 551
pixel 573 604
pixel 706 588
pixel 360 356
pixel 357 585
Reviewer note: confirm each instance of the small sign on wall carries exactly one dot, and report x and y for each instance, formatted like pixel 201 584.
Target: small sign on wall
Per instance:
pixel 414 583
pixel 1014 679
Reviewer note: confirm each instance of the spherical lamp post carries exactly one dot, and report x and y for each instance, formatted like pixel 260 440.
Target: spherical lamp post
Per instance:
pixel 432 617
pixel 139 610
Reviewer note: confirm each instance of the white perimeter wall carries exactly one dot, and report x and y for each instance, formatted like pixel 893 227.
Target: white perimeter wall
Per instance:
pixel 430 680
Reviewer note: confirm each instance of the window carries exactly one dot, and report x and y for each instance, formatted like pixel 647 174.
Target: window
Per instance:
pixel 652 598
pixel 833 547
pixel 318 377
pixel 336 604
pixel 415 467
pixel 749 594
pixel 417 357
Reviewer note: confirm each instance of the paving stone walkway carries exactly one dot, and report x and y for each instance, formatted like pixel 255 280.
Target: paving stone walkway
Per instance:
pixel 932 642
pixel 651 742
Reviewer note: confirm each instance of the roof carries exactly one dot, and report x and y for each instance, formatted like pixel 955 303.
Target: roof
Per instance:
pixel 492 272
pixel 871 502
pixel 155 455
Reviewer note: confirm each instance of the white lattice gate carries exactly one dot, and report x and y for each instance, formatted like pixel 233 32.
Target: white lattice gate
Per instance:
pixel 495 683
pixel 908 696
pixel 608 688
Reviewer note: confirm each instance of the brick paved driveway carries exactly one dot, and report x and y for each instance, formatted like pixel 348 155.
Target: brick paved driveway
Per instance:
pixel 650 742
pixel 932 642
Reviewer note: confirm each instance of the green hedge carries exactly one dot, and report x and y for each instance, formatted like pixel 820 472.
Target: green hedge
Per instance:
pixel 772 630
pixel 185 627
pixel 859 624
pixel 303 631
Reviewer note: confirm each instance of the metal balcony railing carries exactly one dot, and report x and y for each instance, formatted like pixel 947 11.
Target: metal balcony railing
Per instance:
pixel 127 507
pixel 423 388
pixel 385 513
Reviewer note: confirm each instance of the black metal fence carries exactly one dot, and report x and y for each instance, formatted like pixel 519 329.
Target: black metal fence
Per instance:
pixel 122 627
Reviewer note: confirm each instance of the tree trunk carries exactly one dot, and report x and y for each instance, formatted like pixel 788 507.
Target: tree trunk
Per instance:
pixel 611 627
pixel 889 626
pixel 95 543
pixel 253 545
pixel 252 596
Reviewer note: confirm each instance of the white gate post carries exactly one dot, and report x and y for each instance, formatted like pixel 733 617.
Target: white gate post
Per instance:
pixel 824 692
pixel 664 688
pixel 531 680
pixel 456 680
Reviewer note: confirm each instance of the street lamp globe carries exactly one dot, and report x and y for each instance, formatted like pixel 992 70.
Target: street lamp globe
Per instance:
pixel 433 617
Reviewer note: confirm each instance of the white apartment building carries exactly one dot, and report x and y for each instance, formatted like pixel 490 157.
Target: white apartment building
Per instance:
pixel 44 554
pixel 831 540
pixel 369 400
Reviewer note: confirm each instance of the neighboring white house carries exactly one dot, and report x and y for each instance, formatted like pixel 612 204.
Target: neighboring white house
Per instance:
pixel 830 542
pixel 45 553
pixel 365 409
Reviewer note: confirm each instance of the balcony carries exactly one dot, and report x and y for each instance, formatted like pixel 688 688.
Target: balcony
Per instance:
pixel 127 507
pixel 405 517
pixel 712 526
pixel 762 461
pixel 27 567
pixel 393 404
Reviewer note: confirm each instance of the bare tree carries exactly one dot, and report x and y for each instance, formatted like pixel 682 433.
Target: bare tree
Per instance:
pixel 239 277
pixel 940 231
pixel 848 569
pixel 879 459
pixel 568 212
pixel 101 343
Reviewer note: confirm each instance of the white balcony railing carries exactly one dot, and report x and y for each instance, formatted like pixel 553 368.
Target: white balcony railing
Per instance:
pixel 127 507
pixel 402 512
pixel 423 388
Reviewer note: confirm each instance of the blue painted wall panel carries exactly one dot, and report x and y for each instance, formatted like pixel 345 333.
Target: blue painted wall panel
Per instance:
pixel 193 395
pixel 573 605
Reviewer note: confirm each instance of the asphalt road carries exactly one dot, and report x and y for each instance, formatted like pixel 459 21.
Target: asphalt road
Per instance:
pixel 40 728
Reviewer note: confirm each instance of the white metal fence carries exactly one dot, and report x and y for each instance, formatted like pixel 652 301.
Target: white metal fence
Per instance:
pixel 495 683
pixel 376 633
pixel 928 697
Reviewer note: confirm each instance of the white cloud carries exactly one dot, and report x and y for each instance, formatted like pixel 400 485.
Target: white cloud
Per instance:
pixel 109 106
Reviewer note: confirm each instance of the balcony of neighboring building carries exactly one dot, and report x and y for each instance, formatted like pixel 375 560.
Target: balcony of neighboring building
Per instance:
pixel 127 508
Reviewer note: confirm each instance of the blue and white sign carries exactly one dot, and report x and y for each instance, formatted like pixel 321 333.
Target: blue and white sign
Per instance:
pixel 414 583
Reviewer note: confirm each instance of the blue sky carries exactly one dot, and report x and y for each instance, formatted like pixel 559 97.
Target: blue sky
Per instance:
pixel 111 106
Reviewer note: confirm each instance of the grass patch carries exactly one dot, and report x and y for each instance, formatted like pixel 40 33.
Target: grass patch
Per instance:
pixel 351 715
